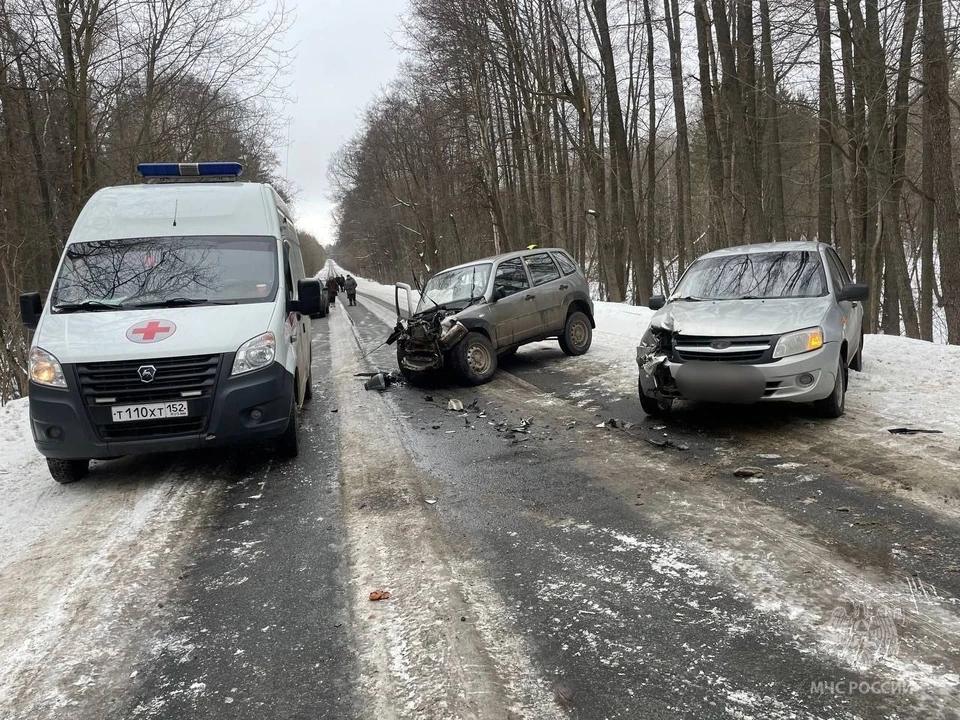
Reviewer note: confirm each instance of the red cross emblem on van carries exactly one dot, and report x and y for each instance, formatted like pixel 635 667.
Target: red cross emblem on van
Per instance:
pixel 151 331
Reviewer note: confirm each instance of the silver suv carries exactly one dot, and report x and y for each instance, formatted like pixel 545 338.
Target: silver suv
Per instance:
pixel 768 322
pixel 471 314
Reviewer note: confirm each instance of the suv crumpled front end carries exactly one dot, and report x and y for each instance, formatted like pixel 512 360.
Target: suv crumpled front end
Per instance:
pixel 424 340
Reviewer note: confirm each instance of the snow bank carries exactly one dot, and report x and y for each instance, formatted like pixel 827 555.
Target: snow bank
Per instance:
pixel 18 456
pixel 909 382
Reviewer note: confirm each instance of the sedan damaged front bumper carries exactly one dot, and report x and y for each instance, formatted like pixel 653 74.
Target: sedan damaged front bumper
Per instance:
pixel 800 378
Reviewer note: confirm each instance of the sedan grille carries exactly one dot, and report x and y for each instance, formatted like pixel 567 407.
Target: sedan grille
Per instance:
pixel 738 350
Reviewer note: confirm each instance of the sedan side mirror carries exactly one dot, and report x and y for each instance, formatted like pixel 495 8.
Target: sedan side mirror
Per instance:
pixel 657 302
pixel 31 308
pixel 853 291
pixel 499 293
pixel 310 297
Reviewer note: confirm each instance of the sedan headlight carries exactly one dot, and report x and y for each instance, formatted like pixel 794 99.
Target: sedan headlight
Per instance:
pixel 256 353
pixel 45 369
pixel 798 342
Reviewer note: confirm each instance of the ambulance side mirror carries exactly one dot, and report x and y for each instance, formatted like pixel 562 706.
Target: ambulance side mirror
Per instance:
pixel 31 308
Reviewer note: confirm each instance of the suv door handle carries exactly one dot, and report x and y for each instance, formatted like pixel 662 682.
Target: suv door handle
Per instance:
pixel 529 297
pixel 564 287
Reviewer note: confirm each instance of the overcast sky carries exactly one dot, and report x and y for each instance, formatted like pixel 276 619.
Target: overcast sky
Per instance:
pixel 345 54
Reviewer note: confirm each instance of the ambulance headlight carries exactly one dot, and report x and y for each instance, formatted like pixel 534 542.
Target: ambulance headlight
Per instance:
pixel 45 369
pixel 256 353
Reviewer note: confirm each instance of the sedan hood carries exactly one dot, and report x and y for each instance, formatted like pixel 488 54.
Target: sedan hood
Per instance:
pixel 741 318
pixel 106 336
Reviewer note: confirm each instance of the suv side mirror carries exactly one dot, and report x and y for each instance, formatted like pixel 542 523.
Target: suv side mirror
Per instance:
pixel 31 308
pixel 853 291
pixel 499 292
pixel 310 297
pixel 396 299
pixel 656 302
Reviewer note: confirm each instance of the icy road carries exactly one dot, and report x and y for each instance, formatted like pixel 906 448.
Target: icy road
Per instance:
pixel 541 562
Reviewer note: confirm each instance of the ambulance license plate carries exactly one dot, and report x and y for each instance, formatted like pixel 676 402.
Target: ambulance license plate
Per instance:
pixel 149 411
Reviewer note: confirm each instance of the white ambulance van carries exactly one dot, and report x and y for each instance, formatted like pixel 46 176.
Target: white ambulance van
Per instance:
pixel 179 318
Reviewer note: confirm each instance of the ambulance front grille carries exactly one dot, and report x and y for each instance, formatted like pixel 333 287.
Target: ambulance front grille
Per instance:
pixel 120 383
pixel 190 379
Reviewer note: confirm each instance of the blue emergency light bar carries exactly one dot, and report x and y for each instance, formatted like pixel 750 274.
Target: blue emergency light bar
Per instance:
pixel 203 169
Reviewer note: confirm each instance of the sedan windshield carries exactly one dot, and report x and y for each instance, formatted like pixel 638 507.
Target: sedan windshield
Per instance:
pixel 161 272
pixel 763 275
pixel 455 287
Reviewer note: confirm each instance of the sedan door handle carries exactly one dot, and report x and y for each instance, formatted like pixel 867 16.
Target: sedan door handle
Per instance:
pixel 529 297
pixel 564 287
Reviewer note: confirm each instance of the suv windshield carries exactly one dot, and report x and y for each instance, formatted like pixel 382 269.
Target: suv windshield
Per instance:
pixel 763 275
pixel 151 272
pixel 455 287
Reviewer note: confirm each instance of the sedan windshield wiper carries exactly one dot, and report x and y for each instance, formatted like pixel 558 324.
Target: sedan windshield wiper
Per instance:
pixel 688 298
pixel 182 302
pixel 87 306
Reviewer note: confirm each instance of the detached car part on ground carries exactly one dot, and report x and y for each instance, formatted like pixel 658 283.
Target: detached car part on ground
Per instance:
pixel 758 323
pixel 471 315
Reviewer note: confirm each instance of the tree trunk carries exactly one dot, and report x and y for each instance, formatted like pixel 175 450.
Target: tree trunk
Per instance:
pixel 743 161
pixel 671 11
pixel 776 212
pixel 825 125
pixel 717 231
pixel 623 178
pixel 651 190
pixel 937 74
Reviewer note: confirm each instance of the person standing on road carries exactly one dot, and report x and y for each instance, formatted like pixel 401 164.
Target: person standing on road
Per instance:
pixel 340 281
pixel 350 285
pixel 333 287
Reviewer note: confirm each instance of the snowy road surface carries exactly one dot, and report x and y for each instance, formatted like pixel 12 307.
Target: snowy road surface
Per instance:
pixel 558 570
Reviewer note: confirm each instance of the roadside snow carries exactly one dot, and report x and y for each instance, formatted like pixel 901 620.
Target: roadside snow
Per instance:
pixel 909 383
pixel 23 473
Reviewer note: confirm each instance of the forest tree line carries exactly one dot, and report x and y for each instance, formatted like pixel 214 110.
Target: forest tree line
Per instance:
pixel 90 88
pixel 639 134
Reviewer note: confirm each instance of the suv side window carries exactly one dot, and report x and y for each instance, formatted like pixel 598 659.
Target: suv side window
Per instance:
pixel 542 268
pixel 511 277
pixel 566 263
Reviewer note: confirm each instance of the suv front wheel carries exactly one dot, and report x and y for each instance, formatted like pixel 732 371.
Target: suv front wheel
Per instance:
pixel 577 334
pixel 474 359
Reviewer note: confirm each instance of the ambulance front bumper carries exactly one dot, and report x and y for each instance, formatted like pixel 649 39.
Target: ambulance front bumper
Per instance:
pixel 244 408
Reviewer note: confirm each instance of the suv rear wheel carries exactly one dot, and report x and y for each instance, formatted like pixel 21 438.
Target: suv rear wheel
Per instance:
pixel 67 471
pixel 474 359
pixel 577 334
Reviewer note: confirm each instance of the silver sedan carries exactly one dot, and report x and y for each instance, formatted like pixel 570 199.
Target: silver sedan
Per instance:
pixel 758 323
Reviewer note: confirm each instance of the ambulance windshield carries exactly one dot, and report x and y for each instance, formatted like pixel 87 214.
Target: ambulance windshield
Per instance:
pixel 166 272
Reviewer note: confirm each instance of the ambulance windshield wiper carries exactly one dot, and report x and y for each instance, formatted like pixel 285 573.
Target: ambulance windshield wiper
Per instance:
pixel 182 302
pixel 87 306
